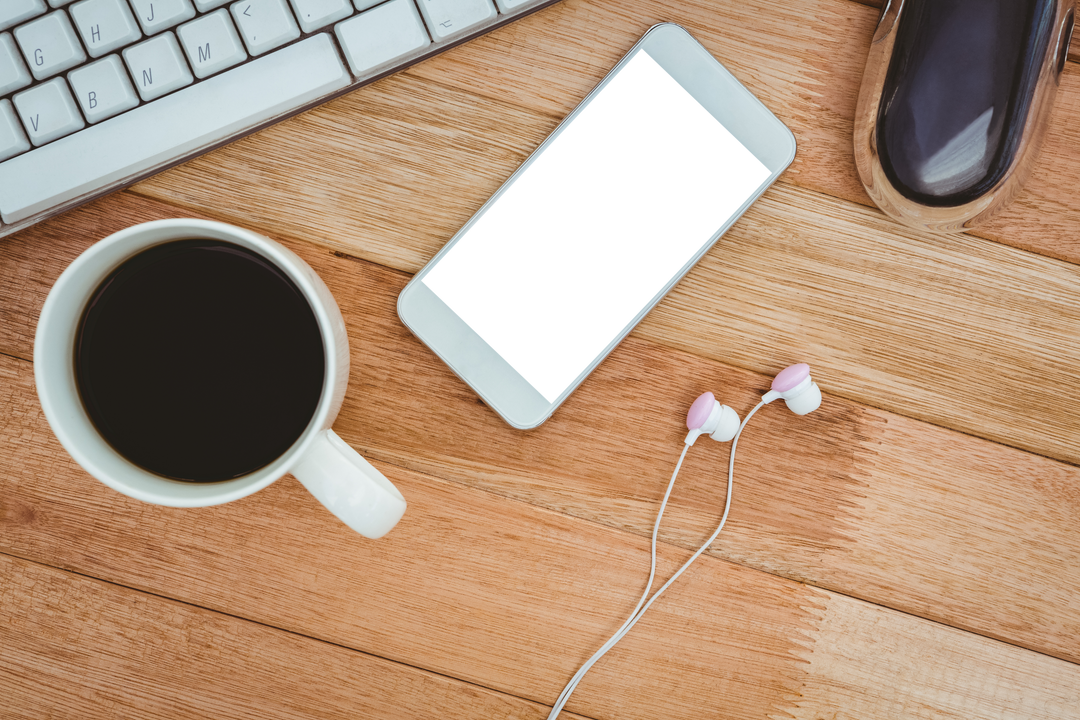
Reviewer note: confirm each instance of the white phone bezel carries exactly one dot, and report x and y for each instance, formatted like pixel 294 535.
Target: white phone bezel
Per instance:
pixel 472 359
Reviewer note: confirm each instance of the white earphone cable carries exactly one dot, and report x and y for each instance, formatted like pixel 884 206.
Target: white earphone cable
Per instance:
pixel 564 697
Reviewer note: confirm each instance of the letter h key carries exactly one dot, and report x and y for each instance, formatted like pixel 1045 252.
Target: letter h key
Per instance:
pixel 105 25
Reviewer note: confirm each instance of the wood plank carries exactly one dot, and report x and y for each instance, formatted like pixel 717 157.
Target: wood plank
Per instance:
pixel 512 597
pixel 964 333
pixel 72 646
pixel 858 505
pixel 473 586
pixel 904 687
pixel 804 60
pixel 797 283
pixel 792 279
pixel 387 175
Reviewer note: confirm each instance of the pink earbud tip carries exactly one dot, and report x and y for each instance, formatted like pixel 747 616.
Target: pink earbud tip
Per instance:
pixel 790 376
pixel 699 411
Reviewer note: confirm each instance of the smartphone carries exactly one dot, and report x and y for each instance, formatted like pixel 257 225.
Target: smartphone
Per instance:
pixel 596 226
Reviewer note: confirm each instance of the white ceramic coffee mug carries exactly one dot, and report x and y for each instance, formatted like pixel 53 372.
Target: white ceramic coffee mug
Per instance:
pixel 333 472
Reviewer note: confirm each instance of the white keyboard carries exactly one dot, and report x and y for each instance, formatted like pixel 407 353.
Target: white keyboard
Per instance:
pixel 98 94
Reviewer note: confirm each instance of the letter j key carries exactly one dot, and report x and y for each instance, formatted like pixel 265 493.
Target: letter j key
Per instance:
pixel 157 15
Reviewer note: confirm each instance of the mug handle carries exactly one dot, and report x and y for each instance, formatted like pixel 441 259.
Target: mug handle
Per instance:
pixel 349 486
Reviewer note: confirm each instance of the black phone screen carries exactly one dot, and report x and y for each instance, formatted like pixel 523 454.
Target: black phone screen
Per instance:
pixel 602 220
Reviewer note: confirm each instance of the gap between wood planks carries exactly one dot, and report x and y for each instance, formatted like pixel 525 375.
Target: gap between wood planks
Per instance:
pixel 804 61
pixel 512 596
pixel 882 486
pixel 808 276
pixel 391 172
pixel 186 691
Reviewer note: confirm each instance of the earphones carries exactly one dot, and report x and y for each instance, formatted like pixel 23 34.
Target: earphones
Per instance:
pixel 794 385
pixel 798 390
pixel 706 416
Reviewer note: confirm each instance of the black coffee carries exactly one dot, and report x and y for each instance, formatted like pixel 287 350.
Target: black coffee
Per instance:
pixel 199 360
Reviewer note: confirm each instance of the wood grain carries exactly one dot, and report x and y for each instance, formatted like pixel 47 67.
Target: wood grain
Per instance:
pixel 859 639
pixel 74 647
pixel 807 277
pixel 520 550
pixel 898 512
pixel 804 60
pixel 962 332
pixel 510 596
pixel 477 587
pixel 801 276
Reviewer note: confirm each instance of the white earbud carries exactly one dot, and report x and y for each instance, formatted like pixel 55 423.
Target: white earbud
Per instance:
pixel 797 389
pixel 706 417
pixel 709 417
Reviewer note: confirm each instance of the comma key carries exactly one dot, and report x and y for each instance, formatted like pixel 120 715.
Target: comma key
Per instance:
pixel 264 24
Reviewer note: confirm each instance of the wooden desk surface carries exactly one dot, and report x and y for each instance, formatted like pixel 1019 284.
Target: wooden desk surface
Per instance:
pixel 912 550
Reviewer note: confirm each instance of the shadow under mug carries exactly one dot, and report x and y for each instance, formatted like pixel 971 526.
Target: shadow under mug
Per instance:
pixel 361 496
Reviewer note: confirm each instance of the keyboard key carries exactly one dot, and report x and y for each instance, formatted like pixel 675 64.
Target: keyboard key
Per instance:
pixel 381 35
pixel 446 18
pixel 48 111
pixel 508 5
pixel 204 5
pixel 264 24
pixel 60 3
pixel 13 72
pixel 104 25
pixel 103 89
pixel 13 12
pixel 12 137
pixel 157 15
pixel 314 14
pixel 158 66
pixel 211 43
pixel 49 45
pixel 205 113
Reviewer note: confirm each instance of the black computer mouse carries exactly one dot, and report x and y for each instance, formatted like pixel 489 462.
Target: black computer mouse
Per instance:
pixel 954 103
